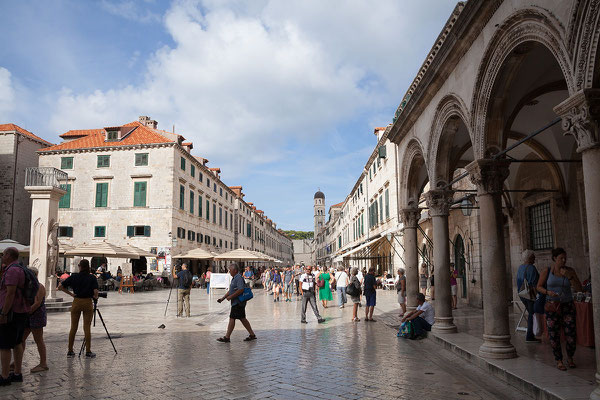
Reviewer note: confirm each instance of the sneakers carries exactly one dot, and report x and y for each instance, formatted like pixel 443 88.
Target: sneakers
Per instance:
pixel 70 354
pixel 304 321
pixel 89 354
pixel 321 320
pixel 15 377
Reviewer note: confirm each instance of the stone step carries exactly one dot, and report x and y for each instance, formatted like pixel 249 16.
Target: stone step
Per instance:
pixel 58 305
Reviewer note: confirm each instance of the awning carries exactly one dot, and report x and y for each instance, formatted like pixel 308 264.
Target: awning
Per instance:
pixel 362 246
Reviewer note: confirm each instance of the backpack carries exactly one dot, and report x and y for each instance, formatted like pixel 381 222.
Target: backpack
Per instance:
pixel 186 279
pixel 31 285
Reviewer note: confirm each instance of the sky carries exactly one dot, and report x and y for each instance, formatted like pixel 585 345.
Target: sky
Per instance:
pixel 282 95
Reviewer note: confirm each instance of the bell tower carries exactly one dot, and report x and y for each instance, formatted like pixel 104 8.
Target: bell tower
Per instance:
pixel 319 207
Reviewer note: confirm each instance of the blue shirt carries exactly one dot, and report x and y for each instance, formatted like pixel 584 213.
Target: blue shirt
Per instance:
pixel 237 283
pixel 248 274
pixel 369 284
pixel 529 272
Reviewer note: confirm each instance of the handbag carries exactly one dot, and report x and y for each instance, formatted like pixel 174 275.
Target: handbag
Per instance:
pixel 320 282
pixel 247 295
pixel 351 289
pixel 528 292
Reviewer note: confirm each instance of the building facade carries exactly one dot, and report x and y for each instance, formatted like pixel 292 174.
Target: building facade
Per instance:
pixel 18 150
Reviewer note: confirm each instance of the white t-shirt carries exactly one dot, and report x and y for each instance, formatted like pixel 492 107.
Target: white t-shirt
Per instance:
pixel 341 277
pixel 360 276
pixel 428 314
pixel 306 282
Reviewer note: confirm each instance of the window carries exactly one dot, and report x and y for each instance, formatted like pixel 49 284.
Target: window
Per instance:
pixel 141 159
pixel 181 197
pixel 102 194
pixel 65 200
pixel 191 202
pixel 103 161
pixel 220 191
pixel 208 182
pixel 540 226
pixel 226 244
pixel 207 210
pixel 206 239
pixel 226 196
pixel 181 233
pixel 191 236
pixel 193 170
pixel 100 231
pixel 380 209
pixel 231 221
pixel 139 194
pixel 214 241
pixel 220 242
pixel 65 231
pixel 226 222
pixel 138 230
pixel 200 177
pixel 215 187
pixel 66 163
pixel 200 206
pixel 220 216
pixel 387 203
pixel 199 237
pixel 183 163
pixel 214 213
pixel 249 230
pixel 112 136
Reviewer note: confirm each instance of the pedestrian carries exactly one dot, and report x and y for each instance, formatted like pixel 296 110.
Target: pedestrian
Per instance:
pixel 276 278
pixel 35 325
pixel 423 279
pixel 325 291
pixel 555 283
pixel 401 290
pixel 307 288
pixel 249 277
pixel 184 277
pixel 341 277
pixel 297 273
pixel 238 308
pixel 432 284
pixel 527 272
pixel 85 288
pixel 13 304
pixel 370 294
pixel 208 273
pixel 288 283
pixel 357 290
pixel 453 286
pixel 422 318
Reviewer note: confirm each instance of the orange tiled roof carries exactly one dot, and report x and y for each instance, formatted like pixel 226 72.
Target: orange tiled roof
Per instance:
pixel 80 132
pixel 380 128
pixel 338 205
pixel 216 170
pixel 17 128
pixel 95 138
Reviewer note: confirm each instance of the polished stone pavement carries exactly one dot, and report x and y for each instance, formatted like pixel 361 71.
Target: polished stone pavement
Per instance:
pixel 336 359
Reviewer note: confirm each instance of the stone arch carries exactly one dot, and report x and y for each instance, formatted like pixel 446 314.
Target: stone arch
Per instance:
pixel 413 175
pixel 526 25
pixel 583 37
pixel 450 111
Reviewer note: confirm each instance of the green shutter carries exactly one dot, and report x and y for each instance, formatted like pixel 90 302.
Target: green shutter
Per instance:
pixel 147 231
pixel 193 170
pixel 65 200
pixel 207 210
pixel 182 197
pixel 200 206
pixel 183 163
pixel 130 231
pixel 214 213
pixel 103 162
pixel 101 194
pixel 380 209
pixel 191 201
pixel 382 152
pixel 387 203
pixel 66 163
pixel 139 194
pixel 100 231
pixel 141 159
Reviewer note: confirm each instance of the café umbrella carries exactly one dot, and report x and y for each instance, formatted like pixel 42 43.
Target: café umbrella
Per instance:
pixel 100 249
pixel 6 243
pixel 196 254
pixel 241 255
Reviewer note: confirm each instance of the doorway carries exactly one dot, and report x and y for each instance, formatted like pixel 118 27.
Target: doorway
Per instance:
pixel 460 264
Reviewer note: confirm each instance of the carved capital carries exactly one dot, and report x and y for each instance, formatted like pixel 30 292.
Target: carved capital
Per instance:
pixel 439 202
pixel 410 217
pixel 580 115
pixel 488 175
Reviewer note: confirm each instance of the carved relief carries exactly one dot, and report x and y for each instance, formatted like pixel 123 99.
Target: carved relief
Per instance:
pixel 52 249
pixel 413 152
pixel 583 37
pixel 488 175
pixel 410 217
pixel 580 115
pixel 439 202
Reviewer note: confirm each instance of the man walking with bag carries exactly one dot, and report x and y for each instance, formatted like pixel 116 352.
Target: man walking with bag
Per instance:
pixel 238 307
pixel 183 290
pixel 307 287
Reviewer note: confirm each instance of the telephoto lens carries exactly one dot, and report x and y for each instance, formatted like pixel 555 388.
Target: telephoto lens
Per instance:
pixel 103 294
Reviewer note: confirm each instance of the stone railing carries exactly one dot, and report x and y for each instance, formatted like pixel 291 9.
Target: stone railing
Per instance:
pixel 45 176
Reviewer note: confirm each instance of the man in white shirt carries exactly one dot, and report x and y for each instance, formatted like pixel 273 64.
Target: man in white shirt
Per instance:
pixel 307 287
pixel 422 318
pixel 341 279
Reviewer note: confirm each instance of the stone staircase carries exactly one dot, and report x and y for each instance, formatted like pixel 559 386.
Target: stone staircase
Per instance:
pixel 58 305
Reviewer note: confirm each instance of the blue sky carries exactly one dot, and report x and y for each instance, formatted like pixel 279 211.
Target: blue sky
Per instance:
pixel 282 95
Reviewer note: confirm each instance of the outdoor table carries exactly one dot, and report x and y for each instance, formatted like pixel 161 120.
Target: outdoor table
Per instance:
pixel 585 325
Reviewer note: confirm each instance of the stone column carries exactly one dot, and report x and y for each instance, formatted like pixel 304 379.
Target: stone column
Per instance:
pixel 489 176
pixel 410 218
pixel 439 202
pixel 581 118
pixel 44 218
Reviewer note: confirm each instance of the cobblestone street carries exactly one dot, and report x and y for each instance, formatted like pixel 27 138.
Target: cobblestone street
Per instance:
pixel 337 359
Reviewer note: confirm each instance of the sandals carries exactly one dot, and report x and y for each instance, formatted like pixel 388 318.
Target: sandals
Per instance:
pixel 39 368
pixel 250 338
pixel 223 340
pixel 561 366
pixel 355 319
pixel 571 364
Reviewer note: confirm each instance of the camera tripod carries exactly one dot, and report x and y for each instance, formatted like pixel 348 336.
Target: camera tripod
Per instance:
pixel 103 324
pixel 169 298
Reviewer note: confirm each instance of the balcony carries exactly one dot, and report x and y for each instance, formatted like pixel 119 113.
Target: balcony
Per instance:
pixel 45 176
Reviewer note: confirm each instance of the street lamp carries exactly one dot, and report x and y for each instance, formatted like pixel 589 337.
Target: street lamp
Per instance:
pixel 466 206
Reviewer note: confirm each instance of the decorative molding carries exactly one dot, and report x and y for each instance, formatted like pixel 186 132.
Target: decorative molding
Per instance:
pixel 97 177
pixel 439 202
pixel 141 176
pixel 583 37
pixel 580 115
pixel 488 175
pixel 414 149
pixel 410 217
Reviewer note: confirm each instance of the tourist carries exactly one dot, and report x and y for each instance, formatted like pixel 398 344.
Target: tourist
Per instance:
pixel 325 290
pixel 453 286
pixel 297 273
pixel 288 283
pixel 422 318
pixel 276 278
pixel 36 324
pixel 12 302
pixel 355 298
pixel 85 288
pixel 528 272
pixel 238 308
pixel 423 279
pixel 432 284
pixel 207 278
pixel 307 288
pixel 370 294
pixel 401 290
pixel 341 277
pixel 184 277
pixel 249 277
pixel 555 283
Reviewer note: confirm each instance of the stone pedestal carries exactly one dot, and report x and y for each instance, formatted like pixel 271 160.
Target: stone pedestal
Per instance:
pixel 581 118
pixel 43 253
pixel 439 202
pixel 489 176
pixel 410 217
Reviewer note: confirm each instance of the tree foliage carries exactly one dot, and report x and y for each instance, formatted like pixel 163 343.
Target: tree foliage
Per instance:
pixel 300 234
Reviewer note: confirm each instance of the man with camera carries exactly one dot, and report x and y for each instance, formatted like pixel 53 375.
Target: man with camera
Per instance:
pixel 184 288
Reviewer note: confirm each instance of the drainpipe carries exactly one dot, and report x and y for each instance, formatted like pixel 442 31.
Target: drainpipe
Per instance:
pixel 14 188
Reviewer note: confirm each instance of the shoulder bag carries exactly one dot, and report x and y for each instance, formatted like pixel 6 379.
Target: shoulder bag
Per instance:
pixel 528 291
pixel 247 295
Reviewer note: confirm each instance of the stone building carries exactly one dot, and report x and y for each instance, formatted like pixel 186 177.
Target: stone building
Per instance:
pixel 507 100
pixel 303 251
pixel 17 151
pixel 135 184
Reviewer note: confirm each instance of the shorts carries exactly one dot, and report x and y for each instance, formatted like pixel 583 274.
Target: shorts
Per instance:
pixel 371 299
pixel 288 287
pixel 355 299
pixel 431 281
pixel 401 299
pixel 11 334
pixel 453 290
pixel 238 311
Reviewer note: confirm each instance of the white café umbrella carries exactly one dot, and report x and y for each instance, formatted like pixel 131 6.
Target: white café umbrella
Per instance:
pixel 240 255
pixel 100 249
pixel 6 243
pixel 138 251
pixel 197 254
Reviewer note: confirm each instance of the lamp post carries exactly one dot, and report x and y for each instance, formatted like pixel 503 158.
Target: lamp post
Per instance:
pixel 466 206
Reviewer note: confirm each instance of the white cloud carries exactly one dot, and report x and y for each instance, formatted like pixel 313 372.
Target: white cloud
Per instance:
pixel 7 95
pixel 130 9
